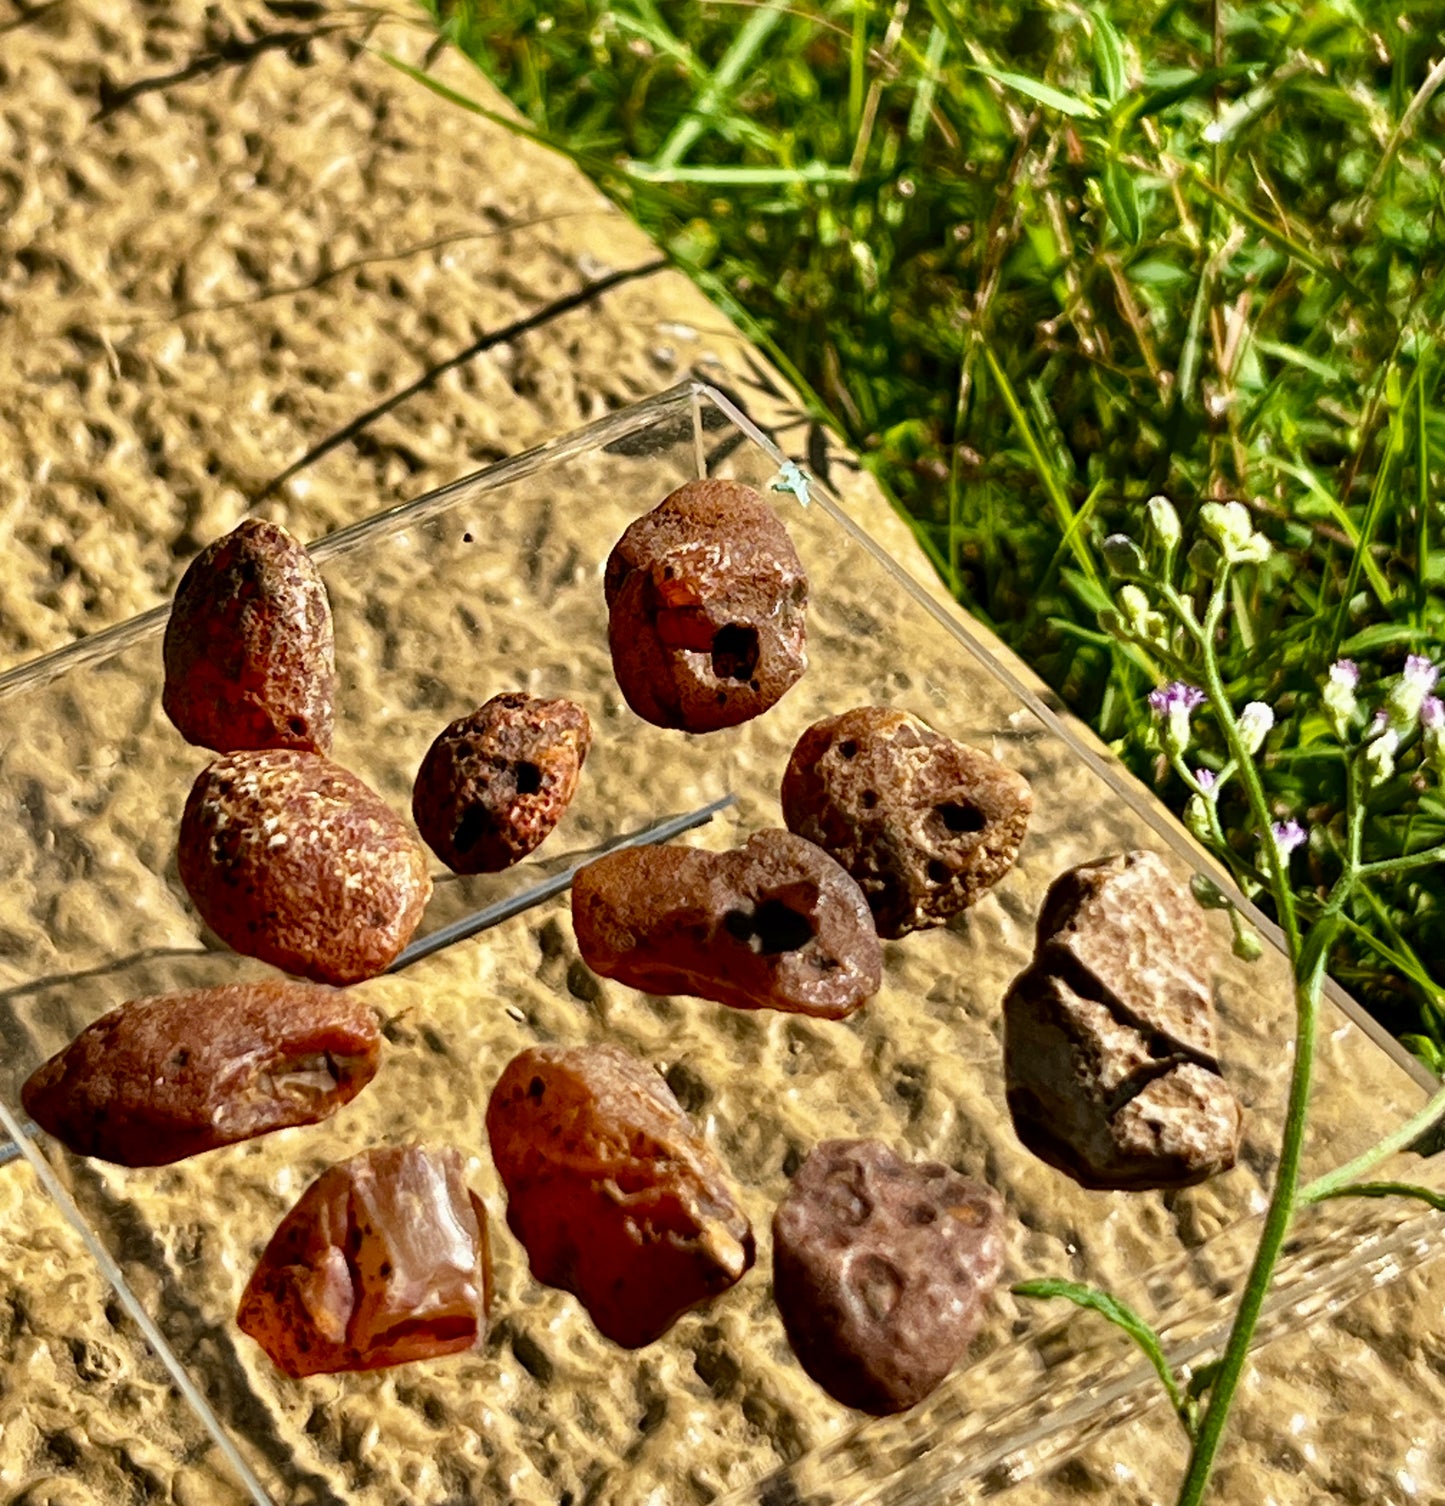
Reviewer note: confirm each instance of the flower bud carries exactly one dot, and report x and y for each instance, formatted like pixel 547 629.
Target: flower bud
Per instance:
pixel 1125 558
pixel 1254 723
pixel 1172 705
pixel 1247 945
pixel 1204 559
pixel 1379 756
pixel 1196 818
pixel 1432 732
pixel 1407 694
pixel 1229 525
pixel 1338 697
pixel 1164 521
pixel 1137 617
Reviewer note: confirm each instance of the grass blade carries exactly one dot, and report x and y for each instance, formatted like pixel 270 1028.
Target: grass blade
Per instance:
pixel 685 133
pixel 1052 483
pixel 1121 1316
pixel 1040 93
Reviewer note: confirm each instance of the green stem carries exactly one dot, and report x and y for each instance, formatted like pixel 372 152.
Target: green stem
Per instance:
pixel 1308 961
pixel 1420 859
pixel 1276 1225
pixel 1400 1139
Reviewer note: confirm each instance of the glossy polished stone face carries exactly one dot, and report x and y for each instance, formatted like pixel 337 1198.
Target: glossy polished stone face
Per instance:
pixel 615 1195
pixel 383 1261
pixel 163 1078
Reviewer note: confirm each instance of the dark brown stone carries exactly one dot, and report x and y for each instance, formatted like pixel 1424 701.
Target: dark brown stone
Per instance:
pixel 249 655
pixel 167 1077
pixel 706 599
pixel 881 1271
pixel 292 859
pixel 924 824
pixel 615 1195
pixel 494 784
pixel 1109 1051
pixel 383 1261
pixel 775 924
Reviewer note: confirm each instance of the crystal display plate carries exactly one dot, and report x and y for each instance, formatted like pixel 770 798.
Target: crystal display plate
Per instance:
pixel 495 583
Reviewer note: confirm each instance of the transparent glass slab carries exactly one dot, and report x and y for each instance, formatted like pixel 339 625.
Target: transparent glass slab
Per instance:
pixel 495 583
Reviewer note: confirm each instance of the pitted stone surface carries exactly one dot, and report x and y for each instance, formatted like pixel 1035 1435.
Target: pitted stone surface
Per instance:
pixel 774 924
pixel 924 824
pixel 706 599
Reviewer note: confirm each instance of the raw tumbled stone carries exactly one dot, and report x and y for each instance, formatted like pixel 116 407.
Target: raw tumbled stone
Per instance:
pixel 706 599
pixel 170 1076
pixel 494 784
pixel 615 1195
pixel 775 924
pixel 923 823
pixel 881 1271
pixel 383 1260
pixel 1109 1051
pixel 249 654
pixel 291 858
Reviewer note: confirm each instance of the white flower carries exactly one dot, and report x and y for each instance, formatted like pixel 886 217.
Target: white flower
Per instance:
pixel 1339 699
pixel 1254 723
pixel 1380 757
pixel 1164 521
pixel 1228 524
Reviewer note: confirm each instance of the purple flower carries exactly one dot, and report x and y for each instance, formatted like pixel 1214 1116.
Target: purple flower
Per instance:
pixel 1405 696
pixel 1172 705
pixel 1173 697
pixel 1420 671
pixel 1432 713
pixel 1287 836
pixel 1206 779
pixel 1345 672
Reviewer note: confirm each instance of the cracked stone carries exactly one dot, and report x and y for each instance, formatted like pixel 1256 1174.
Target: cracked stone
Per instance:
pixel 1109 1046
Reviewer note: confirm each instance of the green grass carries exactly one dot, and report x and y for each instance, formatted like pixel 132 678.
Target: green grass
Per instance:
pixel 1039 261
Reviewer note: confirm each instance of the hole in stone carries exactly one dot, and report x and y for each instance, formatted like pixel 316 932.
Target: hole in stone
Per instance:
pixel 735 652
pixel 536 1088
pixel 297 726
pixel 771 928
pixel 922 1214
pixel 878 1286
pixel 848 749
pixel 870 799
pixel 958 817
pixel 938 873
pixel 471 828
pixel 529 779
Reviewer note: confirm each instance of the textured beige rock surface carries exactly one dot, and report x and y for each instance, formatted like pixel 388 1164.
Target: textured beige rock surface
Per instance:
pixel 247 267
